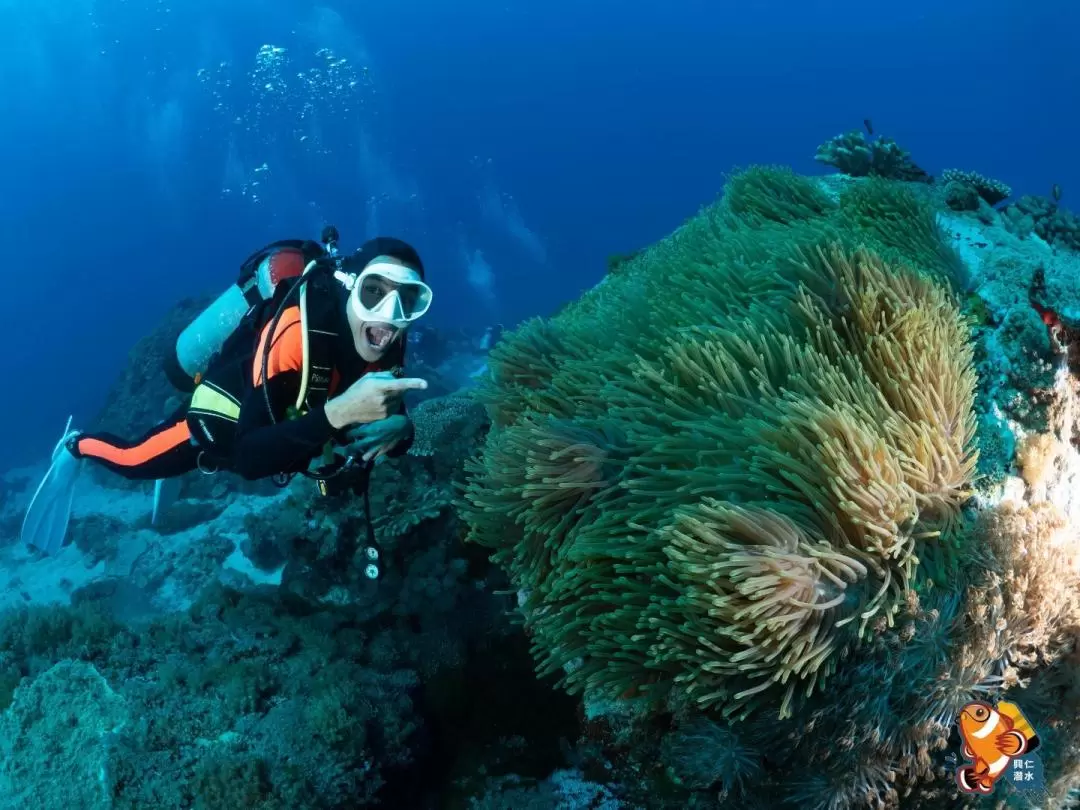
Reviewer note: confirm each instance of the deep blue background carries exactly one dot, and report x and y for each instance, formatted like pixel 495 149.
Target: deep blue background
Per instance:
pixel 596 125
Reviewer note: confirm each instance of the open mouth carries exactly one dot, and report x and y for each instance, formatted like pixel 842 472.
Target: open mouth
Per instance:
pixel 378 336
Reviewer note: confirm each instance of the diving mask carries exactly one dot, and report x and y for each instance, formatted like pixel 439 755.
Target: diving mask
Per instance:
pixel 389 293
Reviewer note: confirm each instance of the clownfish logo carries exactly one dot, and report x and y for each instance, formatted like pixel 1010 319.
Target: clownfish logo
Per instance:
pixel 994 738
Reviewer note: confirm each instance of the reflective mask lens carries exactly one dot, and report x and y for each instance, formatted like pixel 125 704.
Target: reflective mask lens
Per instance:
pixel 375 288
pixel 399 300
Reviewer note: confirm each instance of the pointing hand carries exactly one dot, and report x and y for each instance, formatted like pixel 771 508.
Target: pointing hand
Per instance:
pixel 371 398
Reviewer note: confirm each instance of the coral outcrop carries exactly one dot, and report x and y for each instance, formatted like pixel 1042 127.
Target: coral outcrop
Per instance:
pixel 768 506
pixel 182 682
pixel 1045 217
pixel 960 185
pixel 856 155
pixel 737 489
pixel 55 739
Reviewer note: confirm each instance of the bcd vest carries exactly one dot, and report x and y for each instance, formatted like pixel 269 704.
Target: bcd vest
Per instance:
pixel 214 410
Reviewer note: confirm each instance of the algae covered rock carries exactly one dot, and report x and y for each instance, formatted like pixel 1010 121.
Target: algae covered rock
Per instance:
pixel 1045 217
pixel 323 693
pixel 958 183
pixel 55 739
pixel 242 702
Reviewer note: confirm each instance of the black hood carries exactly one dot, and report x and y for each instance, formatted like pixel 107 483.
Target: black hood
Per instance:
pixel 384 246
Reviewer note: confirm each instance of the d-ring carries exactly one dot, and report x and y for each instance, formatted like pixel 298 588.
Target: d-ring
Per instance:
pixel 199 465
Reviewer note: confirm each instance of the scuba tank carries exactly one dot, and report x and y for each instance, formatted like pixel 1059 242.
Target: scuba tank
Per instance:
pixel 259 277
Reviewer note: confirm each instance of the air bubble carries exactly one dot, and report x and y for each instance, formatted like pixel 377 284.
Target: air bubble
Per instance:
pixel 287 99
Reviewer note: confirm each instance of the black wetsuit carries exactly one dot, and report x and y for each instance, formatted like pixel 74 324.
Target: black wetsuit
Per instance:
pixel 254 444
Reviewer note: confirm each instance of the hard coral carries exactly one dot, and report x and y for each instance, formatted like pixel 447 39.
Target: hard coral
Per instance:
pixel 1044 216
pixel 857 156
pixel 992 191
pixel 440 423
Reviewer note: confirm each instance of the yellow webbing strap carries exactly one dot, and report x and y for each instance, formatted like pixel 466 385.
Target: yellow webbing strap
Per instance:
pixel 213 401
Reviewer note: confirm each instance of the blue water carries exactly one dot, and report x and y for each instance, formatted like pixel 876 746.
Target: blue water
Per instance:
pixel 516 144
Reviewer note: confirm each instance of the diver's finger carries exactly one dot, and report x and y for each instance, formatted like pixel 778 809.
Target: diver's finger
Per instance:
pixel 377 452
pixel 379 375
pixel 403 385
pixel 359 434
pixel 370 442
pixel 360 446
pixel 369 429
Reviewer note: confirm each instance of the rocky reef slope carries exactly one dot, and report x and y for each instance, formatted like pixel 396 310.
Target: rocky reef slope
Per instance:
pixel 764 510
pixel 795 485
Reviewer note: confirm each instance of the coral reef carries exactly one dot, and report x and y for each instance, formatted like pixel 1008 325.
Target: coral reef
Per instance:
pixel 762 546
pixel 858 156
pixel 563 790
pixel 960 185
pixel 767 507
pixel 1045 217
pixel 240 683
pixel 326 691
pixel 55 739
pixel 1023 300
pixel 845 320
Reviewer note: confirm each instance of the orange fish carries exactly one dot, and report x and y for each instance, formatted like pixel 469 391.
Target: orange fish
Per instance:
pixel 992 737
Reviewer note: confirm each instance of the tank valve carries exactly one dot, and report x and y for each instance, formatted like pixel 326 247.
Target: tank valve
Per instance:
pixel 330 238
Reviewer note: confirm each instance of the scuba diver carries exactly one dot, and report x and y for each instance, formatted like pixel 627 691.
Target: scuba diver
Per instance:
pixel 295 369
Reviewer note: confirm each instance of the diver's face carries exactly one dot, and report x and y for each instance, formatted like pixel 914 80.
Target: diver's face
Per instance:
pixel 381 307
pixel 372 340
